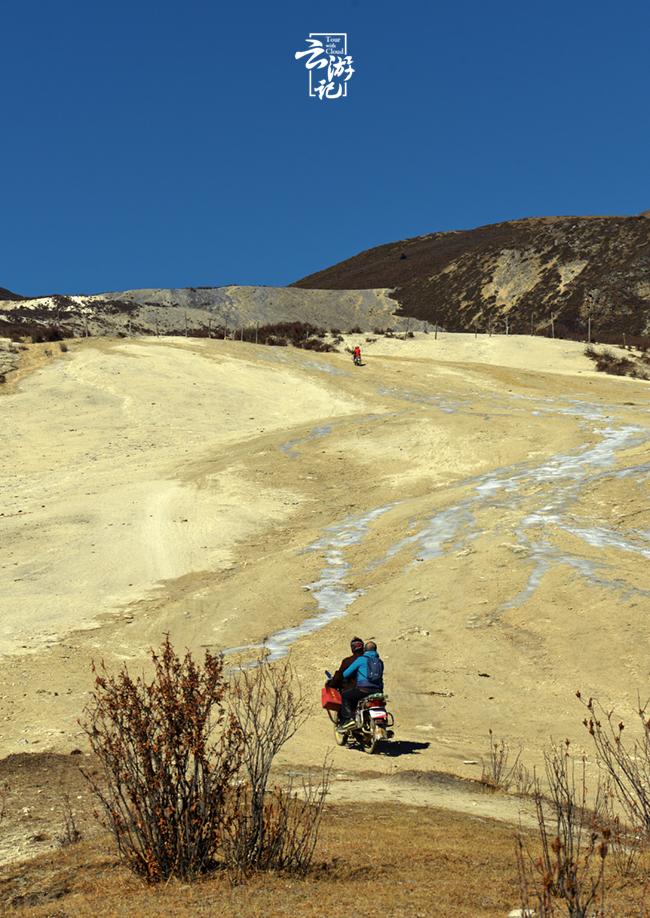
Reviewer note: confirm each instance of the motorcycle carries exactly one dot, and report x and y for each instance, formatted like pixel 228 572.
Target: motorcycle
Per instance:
pixel 372 722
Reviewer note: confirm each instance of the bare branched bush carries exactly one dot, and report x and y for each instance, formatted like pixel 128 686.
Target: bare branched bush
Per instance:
pixel 70 834
pixel 4 794
pixel 276 828
pixel 523 779
pixel 627 763
pixel 626 846
pixel 498 772
pixel 169 752
pixel 574 845
pixel 291 819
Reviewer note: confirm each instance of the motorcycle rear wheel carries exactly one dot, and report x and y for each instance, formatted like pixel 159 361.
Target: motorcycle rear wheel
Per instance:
pixel 341 739
pixel 378 734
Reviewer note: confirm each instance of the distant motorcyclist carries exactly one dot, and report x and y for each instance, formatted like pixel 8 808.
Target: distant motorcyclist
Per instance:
pixel 356 355
pixel 369 671
pixel 337 681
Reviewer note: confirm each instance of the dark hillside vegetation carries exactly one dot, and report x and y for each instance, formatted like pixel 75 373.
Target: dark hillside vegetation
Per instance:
pixel 544 275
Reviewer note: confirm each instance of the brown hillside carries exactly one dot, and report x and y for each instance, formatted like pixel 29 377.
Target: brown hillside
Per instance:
pixel 530 270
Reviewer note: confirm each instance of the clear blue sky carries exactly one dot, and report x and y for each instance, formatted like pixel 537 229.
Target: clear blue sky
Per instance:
pixel 174 144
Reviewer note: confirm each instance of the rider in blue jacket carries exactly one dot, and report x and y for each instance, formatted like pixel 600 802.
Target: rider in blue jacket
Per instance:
pixel 369 669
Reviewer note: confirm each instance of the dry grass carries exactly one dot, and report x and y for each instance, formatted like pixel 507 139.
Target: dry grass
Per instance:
pixel 389 860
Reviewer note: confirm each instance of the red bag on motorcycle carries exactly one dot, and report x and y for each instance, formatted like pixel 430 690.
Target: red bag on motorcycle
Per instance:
pixel 330 698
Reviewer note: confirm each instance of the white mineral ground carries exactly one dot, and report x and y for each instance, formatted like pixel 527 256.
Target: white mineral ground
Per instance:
pixel 479 507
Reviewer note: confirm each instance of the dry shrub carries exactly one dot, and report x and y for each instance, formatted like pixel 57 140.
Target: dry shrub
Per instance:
pixel 627 763
pixel 607 362
pixel 169 752
pixel 627 847
pixel 290 817
pixel 4 794
pixel 70 834
pixel 316 344
pixel 300 334
pixel 276 828
pixel 570 873
pixel 500 773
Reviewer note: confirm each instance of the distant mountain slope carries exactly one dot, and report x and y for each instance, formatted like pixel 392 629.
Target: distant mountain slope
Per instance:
pixel 528 270
pixel 195 309
pixel 8 295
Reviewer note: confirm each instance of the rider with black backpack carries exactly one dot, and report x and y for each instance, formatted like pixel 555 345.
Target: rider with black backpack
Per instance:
pixel 369 669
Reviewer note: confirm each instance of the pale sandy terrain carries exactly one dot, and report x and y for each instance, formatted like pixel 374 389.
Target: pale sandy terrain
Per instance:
pixel 521 352
pixel 478 506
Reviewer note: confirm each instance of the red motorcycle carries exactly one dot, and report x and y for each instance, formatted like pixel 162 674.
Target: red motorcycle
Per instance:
pixel 372 722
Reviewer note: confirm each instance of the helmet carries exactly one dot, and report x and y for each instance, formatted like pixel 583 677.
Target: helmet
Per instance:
pixel 356 645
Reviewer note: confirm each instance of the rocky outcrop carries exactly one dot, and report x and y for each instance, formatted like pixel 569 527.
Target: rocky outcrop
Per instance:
pixel 195 309
pixel 9 357
pixel 527 272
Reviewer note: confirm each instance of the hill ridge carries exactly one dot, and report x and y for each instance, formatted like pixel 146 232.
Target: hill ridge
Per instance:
pixel 527 271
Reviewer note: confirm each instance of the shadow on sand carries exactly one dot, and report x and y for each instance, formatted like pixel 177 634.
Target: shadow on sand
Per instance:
pixel 400 747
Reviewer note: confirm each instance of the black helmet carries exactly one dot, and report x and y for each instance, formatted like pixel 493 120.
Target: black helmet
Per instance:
pixel 356 645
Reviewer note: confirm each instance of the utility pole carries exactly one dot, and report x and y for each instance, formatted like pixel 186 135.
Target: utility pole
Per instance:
pixel 257 329
pixel 435 334
pixel 552 327
pixel 507 326
pixel 590 297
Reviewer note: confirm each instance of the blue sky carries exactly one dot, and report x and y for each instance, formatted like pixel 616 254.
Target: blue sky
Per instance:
pixel 174 144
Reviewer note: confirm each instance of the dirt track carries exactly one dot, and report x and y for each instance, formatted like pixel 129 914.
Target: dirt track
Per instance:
pixel 486 522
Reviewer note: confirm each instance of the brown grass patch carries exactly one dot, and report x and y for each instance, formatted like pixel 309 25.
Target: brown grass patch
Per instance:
pixel 386 860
